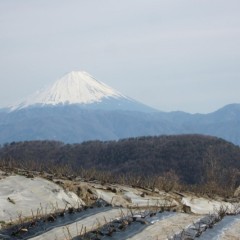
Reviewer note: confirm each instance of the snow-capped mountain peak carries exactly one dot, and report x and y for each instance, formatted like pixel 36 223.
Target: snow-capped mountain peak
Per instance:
pixel 77 87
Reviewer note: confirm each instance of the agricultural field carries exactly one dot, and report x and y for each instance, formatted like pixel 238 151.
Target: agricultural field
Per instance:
pixel 37 205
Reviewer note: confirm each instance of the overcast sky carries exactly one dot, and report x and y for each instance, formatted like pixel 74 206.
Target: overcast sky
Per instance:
pixel 169 54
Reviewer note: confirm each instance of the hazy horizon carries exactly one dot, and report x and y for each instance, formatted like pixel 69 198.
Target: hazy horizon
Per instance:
pixel 166 54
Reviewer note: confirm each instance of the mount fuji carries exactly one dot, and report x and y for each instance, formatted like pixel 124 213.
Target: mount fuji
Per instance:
pixel 79 108
pixel 81 89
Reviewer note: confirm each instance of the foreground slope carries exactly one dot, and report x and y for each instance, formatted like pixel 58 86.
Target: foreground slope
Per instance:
pixel 81 209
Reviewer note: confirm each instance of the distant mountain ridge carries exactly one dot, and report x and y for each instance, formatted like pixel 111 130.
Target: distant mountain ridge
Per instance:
pixel 79 108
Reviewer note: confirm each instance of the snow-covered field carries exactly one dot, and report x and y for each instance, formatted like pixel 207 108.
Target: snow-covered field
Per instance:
pixel 138 211
pixel 23 196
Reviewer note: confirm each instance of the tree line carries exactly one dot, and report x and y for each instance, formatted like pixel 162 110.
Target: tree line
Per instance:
pixel 191 159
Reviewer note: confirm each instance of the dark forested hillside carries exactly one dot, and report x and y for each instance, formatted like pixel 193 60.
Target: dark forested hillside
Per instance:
pixel 195 159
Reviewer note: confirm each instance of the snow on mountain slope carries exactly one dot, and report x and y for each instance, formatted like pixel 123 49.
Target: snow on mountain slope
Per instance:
pixel 77 87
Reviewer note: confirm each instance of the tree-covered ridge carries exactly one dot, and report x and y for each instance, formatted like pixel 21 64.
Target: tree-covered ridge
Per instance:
pixel 194 159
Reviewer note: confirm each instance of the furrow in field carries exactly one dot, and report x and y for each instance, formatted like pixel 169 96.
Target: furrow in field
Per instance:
pixel 166 227
pixel 86 224
pixel 227 229
pixel 232 233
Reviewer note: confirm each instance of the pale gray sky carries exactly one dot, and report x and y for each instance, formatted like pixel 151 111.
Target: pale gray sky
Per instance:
pixel 169 54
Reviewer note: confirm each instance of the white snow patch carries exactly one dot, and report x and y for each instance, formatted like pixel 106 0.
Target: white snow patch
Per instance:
pixel 131 197
pixel 203 205
pixel 21 195
pixel 105 195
